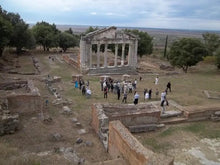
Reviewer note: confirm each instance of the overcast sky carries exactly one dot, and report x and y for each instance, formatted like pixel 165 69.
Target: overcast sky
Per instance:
pixel 174 14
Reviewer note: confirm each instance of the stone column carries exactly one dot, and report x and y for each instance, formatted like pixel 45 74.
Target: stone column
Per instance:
pixel 129 55
pixel 90 56
pixel 82 53
pixel 105 56
pixel 135 53
pixel 123 54
pixel 98 55
pixel 116 54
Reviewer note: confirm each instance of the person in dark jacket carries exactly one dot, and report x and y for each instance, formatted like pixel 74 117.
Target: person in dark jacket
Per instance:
pixel 168 86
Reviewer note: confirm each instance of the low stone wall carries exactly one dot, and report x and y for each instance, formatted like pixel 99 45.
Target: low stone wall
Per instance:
pixel 8 124
pixel 71 61
pixel 99 119
pixel 129 115
pixel 26 102
pixel 10 85
pixel 123 144
pixel 200 113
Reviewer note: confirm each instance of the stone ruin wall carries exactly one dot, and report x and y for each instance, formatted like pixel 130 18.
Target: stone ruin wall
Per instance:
pixel 118 140
pixel 71 61
pixel 25 103
pixel 9 123
pixel 17 102
pixel 101 118
pixel 123 144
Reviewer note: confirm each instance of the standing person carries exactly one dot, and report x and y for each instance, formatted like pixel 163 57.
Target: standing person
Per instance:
pixel 87 83
pixel 80 84
pixel 118 92
pixel 164 101
pixel 168 86
pixel 135 83
pixel 156 80
pixel 104 84
pixel 88 93
pixel 145 91
pixel 106 92
pixel 83 89
pixel 101 83
pixel 112 87
pixel 146 97
pixel 46 102
pixel 150 93
pixel 136 97
pixel 124 100
pixel 157 93
pixel 76 84
pixel 140 78
pixel 130 87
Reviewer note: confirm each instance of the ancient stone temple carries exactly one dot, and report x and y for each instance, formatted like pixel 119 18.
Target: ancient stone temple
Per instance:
pixel 95 48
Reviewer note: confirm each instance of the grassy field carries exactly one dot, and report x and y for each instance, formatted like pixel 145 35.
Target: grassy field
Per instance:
pixel 161 141
pixel 187 90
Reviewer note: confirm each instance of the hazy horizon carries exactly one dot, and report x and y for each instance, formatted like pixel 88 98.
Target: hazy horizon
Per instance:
pixel 186 15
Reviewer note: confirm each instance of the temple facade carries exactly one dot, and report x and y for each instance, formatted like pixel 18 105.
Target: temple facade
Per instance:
pixel 94 48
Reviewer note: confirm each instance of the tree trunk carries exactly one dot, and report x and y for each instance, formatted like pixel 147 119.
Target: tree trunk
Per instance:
pixel 165 48
pixel 18 50
pixel 185 69
pixel 44 48
pixel 1 51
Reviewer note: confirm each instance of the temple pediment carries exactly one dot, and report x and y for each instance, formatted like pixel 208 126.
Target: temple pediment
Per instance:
pixel 110 33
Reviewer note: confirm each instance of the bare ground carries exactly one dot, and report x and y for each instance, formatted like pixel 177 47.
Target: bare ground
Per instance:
pixel 33 143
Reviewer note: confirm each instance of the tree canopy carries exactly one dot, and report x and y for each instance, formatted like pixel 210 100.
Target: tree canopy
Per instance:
pixel 187 52
pixel 217 54
pixel 46 35
pixel 91 29
pixel 67 40
pixel 212 42
pixel 14 32
pixel 21 36
pixel 145 44
pixel 5 33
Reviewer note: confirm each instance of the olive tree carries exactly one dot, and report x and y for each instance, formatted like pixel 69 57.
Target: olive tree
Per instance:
pixel 187 52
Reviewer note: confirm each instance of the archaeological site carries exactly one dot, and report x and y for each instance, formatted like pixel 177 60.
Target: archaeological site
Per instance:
pixel 77 107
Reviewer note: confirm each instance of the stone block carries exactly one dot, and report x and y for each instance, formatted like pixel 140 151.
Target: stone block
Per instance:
pixel 145 128
pixel 9 124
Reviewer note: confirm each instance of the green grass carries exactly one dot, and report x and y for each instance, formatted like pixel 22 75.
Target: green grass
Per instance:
pixel 26 65
pixel 202 129
pixel 168 131
pixel 155 145
pixel 196 128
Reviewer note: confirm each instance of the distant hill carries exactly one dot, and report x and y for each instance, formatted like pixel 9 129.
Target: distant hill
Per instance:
pixel 158 34
pixel 83 28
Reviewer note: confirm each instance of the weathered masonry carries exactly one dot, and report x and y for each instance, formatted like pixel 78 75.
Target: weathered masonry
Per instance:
pixel 101 41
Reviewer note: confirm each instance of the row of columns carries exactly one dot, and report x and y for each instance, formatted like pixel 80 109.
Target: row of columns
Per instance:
pixel 105 55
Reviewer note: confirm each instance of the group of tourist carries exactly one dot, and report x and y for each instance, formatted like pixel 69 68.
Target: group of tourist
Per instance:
pixel 163 98
pixel 118 87
pixel 124 88
pixel 84 87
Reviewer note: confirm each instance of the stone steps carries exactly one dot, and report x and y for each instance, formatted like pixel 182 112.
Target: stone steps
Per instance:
pixel 174 120
pixel 172 117
pixel 112 70
pixel 170 114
